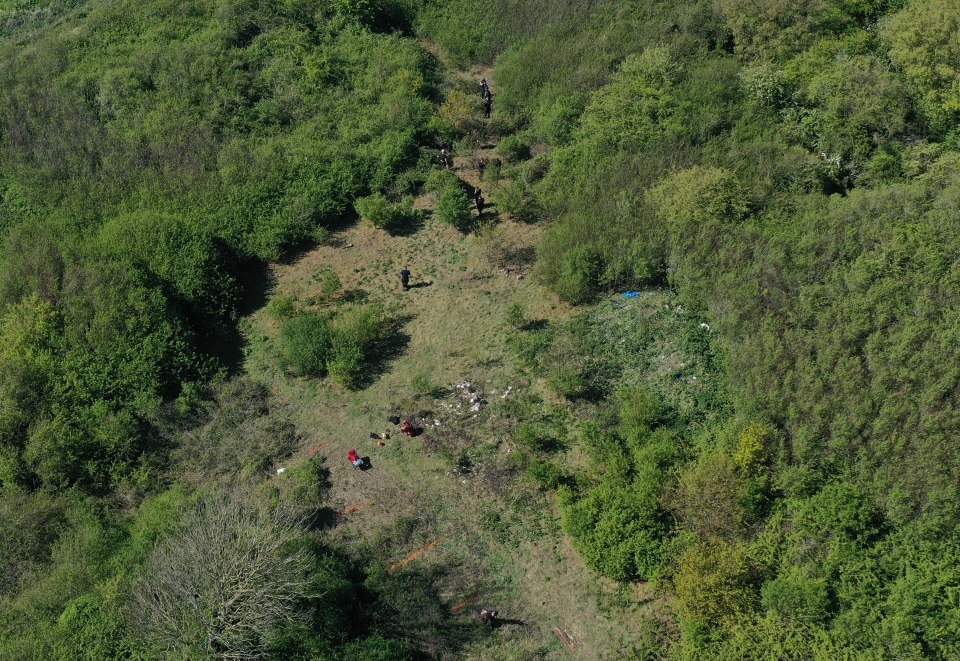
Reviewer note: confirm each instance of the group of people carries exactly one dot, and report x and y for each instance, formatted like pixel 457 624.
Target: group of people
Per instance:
pixel 406 427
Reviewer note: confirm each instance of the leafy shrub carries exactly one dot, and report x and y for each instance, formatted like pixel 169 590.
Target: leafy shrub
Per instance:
pixel 709 497
pixel 516 199
pixel 513 149
pixel 453 208
pixel 533 437
pixel 515 316
pixel 548 474
pixel 329 284
pixel 355 334
pixel 282 306
pixel 795 597
pixel 579 279
pixel 617 529
pixel 752 451
pixel 305 344
pixel 639 410
pixel 459 110
pixel 383 213
pixel 712 583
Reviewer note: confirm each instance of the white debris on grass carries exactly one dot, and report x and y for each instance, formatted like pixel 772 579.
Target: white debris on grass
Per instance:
pixel 280 471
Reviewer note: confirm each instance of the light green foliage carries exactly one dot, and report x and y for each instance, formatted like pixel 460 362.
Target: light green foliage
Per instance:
pixel 923 41
pixel 712 583
pixel 315 345
pixel 282 306
pixel 383 213
pixel 797 598
pixel 752 447
pixel 329 284
pixel 512 149
pixel 453 207
pixel 355 335
pixel 28 364
pixel 515 316
pixel 305 344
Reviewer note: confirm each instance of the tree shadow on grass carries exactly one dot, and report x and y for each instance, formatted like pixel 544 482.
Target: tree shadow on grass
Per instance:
pixel 393 345
pixel 408 606
pixel 410 224
pixel 224 341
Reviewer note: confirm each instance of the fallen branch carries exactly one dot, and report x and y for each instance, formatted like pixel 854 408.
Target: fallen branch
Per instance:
pixel 355 508
pixel 415 554
pixel 463 604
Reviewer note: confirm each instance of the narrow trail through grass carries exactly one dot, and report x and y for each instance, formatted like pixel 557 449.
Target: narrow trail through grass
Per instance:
pixel 492 540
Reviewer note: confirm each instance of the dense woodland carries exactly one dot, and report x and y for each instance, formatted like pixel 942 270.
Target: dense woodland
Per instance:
pixel 789 168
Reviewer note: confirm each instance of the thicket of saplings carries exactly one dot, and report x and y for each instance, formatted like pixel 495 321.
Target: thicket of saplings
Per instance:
pixel 790 169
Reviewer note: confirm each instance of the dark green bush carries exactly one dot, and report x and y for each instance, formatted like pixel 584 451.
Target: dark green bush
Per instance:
pixel 453 208
pixel 305 344
pixel 513 149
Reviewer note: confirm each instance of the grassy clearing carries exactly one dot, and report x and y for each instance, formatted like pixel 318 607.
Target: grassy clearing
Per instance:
pixel 491 538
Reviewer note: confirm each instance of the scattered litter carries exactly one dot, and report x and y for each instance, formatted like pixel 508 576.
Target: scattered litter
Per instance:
pixel 280 471
pixel 705 325
pixel 416 554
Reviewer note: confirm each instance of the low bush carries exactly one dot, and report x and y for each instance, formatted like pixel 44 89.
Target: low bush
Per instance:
pixel 513 149
pixel 305 344
pixel 282 306
pixel 453 208
pixel 383 213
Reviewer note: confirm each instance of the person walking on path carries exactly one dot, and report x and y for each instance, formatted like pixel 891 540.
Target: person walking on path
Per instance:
pixel 487 104
pixel 405 278
pixel 480 203
pixel 484 88
pixel 481 168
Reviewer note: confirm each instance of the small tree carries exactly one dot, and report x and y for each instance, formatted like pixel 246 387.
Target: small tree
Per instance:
pixel 305 344
pixel 222 584
pixel 453 208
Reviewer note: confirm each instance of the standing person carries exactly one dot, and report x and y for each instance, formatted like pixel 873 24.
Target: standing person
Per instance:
pixel 481 167
pixel 484 88
pixel 487 105
pixel 477 194
pixel 480 202
pixel 444 158
pixel 405 278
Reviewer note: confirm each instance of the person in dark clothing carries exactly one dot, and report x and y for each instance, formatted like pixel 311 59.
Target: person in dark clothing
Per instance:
pixel 480 202
pixel 481 167
pixel 488 617
pixel 487 106
pixel 477 194
pixel 405 278
pixel 484 88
